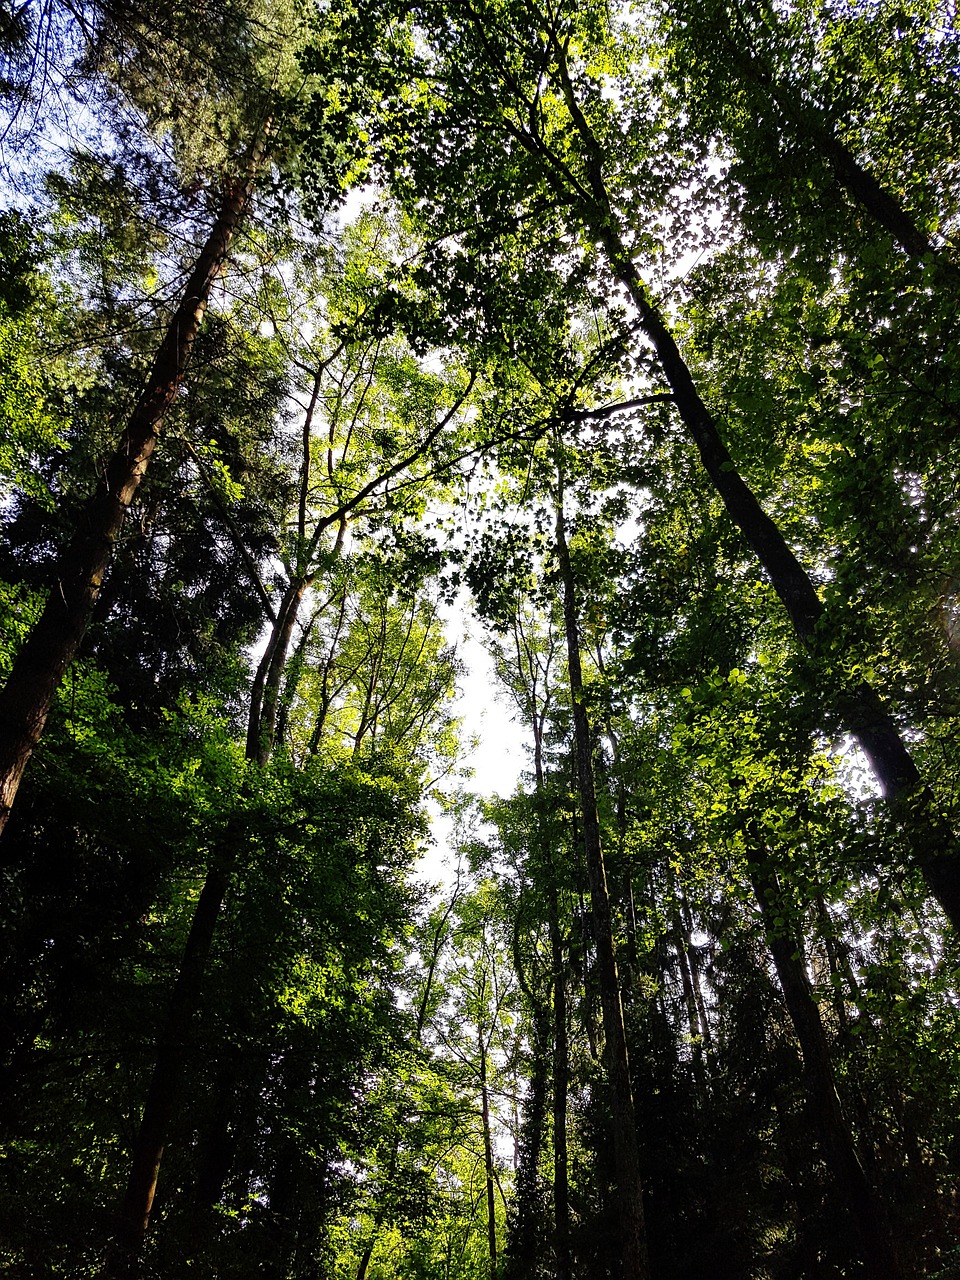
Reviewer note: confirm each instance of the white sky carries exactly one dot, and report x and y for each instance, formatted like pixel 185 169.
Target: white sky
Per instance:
pixel 484 707
pixel 497 758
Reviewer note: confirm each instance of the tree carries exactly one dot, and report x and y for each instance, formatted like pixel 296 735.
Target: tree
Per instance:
pixel 535 79
pixel 251 122
pixel 614 289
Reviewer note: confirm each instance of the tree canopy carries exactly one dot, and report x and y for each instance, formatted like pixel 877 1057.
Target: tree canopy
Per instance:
pixel 628 338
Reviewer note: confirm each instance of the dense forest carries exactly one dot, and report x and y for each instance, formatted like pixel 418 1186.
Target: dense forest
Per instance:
pixel 632 333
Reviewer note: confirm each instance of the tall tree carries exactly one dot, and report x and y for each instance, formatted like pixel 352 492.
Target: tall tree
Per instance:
pixel 534 79
pixel 250 122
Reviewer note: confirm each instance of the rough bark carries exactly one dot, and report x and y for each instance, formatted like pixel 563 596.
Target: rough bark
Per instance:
pixel 28 695
pixel 863 1208
pixel 626 1154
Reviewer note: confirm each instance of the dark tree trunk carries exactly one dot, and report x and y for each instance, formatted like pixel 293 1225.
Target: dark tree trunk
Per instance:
pixel 488 1157
pixel 680 944
pixel 935 845
pixel 216 1155
pixel 865 1214
pixel 524 1227
pixel 558 992
pixel 809 122
pixel 163 1094
pixel 561 1071
pixel 696 971
pixel 626 1154
pixel 365 1258
pixel 28 695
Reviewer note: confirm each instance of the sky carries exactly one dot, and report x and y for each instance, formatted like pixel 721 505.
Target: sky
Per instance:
pixel 497 756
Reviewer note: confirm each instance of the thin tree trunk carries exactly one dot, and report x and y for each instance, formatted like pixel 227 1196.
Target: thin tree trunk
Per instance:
pixel 558 988
pixel 680 944
pixel 626 1154
pixel 934 844
pixel 265 693
pixel 31 687
pixel 786 947
pixel 488 1157
pixel 292 674
pixel 365 1258
pixel 326 695
pixel 216 1153
pixel 521 1251
pixel 624 871
pixel 123 1256
pixel 561 1071
pixel 163 1094
pixel 852 176
pixel 696 971
pixel 843 984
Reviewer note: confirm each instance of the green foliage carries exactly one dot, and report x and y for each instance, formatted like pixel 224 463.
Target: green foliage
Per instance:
pixel 375 415
pixel 30 425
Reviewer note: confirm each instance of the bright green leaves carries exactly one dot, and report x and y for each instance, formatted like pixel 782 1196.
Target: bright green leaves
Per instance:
pixel 32 422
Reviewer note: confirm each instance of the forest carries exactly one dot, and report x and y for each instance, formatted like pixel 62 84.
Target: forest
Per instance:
pixel 628 335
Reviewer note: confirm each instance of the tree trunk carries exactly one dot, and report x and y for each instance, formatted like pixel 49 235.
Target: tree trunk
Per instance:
pixel 265 692
pixel 365 1258
pixel 488 1157
pixel 522 1259
pixel 626 1154
pixel 215 1155
pixel 123 1256
pixel 162 1096
pixel 558 990
pixel 680 945
pixel 786 947
pixel 28 695
pixel 812 122
pixel 623 870
pixel 935 845
pixel 561 1071
pixel 696 971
